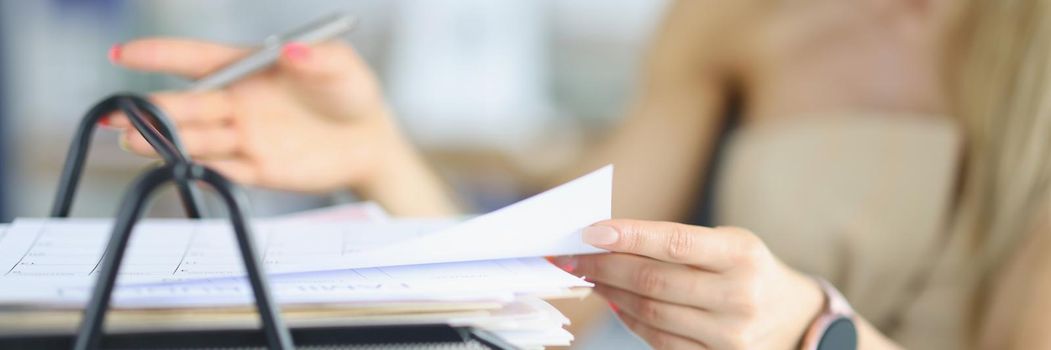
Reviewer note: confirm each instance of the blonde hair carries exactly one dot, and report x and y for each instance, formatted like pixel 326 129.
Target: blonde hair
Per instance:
pixel 1000 83
pixel 1001 86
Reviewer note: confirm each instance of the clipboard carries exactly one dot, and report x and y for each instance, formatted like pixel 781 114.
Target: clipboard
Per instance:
pixel 176 167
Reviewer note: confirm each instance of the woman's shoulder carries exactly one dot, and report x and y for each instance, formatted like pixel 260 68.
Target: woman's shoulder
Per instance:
pixel 1019 310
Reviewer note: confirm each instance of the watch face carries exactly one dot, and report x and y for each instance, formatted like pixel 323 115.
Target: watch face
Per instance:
pixel 840 335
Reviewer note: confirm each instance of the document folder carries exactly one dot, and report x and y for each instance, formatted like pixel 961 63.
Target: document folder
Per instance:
pixel 177 168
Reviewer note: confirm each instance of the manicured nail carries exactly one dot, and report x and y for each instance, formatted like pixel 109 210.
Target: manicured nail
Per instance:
pixel 614 307
pixel 600 235
pixel 566 263
pixel 296 51
pixel 104 122
pixel 114 53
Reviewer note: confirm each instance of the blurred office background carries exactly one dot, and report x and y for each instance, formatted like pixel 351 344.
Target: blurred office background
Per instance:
pixel 482 86
pixel 486 88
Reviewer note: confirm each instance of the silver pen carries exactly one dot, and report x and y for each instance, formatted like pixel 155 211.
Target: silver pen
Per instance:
pixel 326 28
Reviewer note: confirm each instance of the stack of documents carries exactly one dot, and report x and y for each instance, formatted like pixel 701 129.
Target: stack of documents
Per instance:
pixel 346 266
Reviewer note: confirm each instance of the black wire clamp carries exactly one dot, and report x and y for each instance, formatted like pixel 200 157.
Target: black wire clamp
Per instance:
pixel 176 168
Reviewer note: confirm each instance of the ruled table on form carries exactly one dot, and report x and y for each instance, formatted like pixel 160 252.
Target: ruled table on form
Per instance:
pixel 161 250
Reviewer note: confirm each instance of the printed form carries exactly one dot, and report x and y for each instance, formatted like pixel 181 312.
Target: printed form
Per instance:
pixel 358 261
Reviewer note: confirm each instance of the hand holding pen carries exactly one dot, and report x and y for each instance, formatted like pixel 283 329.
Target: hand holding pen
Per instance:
pixel 303 113
pixel 254 114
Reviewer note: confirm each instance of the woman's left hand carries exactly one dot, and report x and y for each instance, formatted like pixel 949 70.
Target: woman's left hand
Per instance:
pixel 689 287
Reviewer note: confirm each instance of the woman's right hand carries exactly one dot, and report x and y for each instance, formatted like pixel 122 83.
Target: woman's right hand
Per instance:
pixel 316 121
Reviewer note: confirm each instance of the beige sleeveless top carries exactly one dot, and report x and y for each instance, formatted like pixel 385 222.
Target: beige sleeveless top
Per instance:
pixel 863 202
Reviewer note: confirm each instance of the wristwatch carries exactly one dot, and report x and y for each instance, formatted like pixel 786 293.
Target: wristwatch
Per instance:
pixel 834 328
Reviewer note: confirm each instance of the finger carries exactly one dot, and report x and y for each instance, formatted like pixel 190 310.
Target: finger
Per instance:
pixel 684 321
pixel 656 279
pixel 658 339
pixel 714 249
pixel 115 120
pixel 327 61
pixel 131 141
pixel 186 108
pixel 188 58
pixel 331 71
pixel 239 170
pixel 200 143
pixel 566 263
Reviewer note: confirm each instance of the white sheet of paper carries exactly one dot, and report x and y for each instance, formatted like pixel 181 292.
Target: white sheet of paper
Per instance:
pixel 173 250
pixel 527 322
pixel 547 224
pixel 491 280
pixel 57 264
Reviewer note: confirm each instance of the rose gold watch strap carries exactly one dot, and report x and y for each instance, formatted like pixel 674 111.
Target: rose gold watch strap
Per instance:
pixel 835 302
pixel 836 306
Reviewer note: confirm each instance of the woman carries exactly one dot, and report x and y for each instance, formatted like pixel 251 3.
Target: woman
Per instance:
pixel 899 149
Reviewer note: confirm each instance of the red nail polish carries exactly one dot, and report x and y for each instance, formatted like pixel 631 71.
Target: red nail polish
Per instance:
pixel 296 51
pixel 614 307
pixel 114 53
pixel 104 122
pixel 568 267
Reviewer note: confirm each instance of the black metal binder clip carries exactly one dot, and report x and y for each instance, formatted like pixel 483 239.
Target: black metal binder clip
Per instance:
pixel 178 168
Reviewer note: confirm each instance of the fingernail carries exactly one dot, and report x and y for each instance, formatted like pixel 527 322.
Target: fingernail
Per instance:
pixel 104 122
pixel 296 51
pixel 114 53
pixel 566 263
pixel 614 307
pixel 600 235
